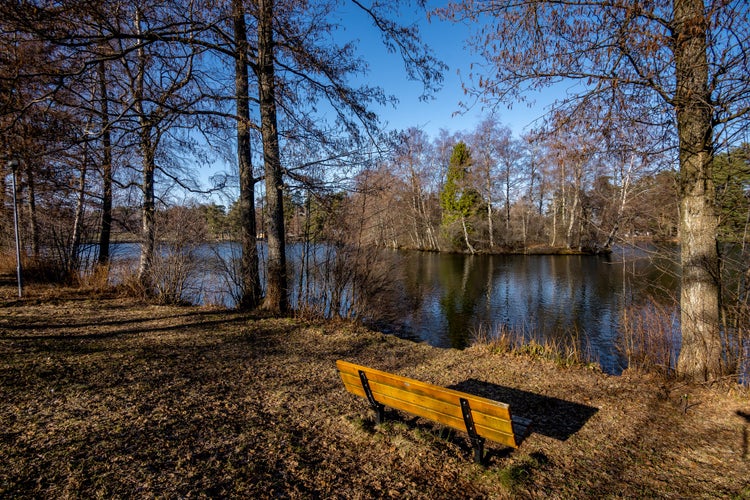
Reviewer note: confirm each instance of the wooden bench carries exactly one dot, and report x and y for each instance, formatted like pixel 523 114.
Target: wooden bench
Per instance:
pixel 481 418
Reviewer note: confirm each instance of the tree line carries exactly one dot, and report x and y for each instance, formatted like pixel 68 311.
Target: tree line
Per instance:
pixel 107 105
pixel 412 201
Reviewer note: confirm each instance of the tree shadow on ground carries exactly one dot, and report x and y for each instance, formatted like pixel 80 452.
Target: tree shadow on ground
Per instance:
pixel 80 330
pixel 550 416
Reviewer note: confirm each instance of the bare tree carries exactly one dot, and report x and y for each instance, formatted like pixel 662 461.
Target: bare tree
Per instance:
pixel 413 161
pixel 298 66
pixel 106 171
pixel 489 142
pixel 276 299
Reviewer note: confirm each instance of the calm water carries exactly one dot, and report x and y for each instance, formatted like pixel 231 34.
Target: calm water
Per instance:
pixel 444 299
pixel 455 296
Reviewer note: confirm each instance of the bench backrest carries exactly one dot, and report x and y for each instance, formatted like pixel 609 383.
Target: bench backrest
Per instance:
pixel 492 419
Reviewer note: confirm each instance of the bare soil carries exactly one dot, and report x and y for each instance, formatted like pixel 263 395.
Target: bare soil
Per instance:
pixel 104 396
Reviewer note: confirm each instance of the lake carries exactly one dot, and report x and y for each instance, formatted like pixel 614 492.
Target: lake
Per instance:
pixel 457 296
pixel 446 299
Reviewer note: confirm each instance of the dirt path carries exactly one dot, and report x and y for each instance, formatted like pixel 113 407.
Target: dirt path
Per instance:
pixel 109 397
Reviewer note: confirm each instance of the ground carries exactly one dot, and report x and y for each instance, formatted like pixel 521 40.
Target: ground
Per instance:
pixel 105 396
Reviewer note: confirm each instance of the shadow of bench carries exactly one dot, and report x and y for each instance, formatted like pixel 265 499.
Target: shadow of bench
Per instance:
pixel 553 417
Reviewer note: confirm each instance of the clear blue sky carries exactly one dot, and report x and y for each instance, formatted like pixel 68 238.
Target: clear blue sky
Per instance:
pixel 447 41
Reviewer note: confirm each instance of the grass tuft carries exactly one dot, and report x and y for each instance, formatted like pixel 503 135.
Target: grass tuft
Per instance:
pixel 517 474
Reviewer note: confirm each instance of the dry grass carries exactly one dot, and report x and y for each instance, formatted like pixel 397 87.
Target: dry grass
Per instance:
pixel 564 350
pixel 648 339
pixel 111 397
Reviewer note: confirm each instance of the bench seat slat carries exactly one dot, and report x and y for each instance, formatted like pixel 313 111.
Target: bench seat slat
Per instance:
pixel 492 419
pixel 493 434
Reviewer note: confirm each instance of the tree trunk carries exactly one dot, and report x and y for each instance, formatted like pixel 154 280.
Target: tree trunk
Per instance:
pixel 147 147
pixel 700 355
pixel 276 285
pixel 251 289
pixel 148 213
pixel 555 205
pixel 466 236
pixel 5 218
pixel 571 222
pixel 574 216
pixel 74 263
pixel 31 204
pixel 507 201
pixel 624 193
pixel 487 171
pixel 106 228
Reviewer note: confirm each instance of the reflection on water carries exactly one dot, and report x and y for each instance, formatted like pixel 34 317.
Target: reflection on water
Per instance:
pixel 454 296
pixel 444 299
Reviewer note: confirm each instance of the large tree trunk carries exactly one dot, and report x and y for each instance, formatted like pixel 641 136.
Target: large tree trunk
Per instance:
pixel 276 284
pixel 700 356
pixel 148 148
pixel 106 229
pixel 251 290
pixel 148 214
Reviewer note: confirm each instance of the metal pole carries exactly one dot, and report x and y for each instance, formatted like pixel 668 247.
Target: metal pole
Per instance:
pixel 13 164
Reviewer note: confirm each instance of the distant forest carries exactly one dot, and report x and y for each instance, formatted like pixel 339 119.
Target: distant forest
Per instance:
pixel 523 196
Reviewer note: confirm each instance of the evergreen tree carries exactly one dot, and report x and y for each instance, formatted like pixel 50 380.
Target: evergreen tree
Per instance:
pixel 458 200
pixel 732 179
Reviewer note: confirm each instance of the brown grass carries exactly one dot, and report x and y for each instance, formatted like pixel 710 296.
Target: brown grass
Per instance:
pixel 111 397
pixel 564 350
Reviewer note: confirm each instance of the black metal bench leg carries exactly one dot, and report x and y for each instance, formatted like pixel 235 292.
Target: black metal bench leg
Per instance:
pixel 478 445
pixel 378 407
pixel 477 442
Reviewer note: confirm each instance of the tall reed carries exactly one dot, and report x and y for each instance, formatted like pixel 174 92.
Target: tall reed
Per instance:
pixel 649 337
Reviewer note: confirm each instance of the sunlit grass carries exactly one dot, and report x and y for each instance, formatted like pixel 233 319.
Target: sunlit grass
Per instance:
pixel 563 350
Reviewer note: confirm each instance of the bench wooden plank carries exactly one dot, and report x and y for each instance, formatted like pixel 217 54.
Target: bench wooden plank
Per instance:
pixel 492 419
pixel 486 426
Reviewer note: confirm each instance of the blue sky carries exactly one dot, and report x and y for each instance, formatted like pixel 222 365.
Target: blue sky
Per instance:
pixel 447 41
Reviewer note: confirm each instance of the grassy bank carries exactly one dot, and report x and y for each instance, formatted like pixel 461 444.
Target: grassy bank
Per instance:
pixel 106 396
